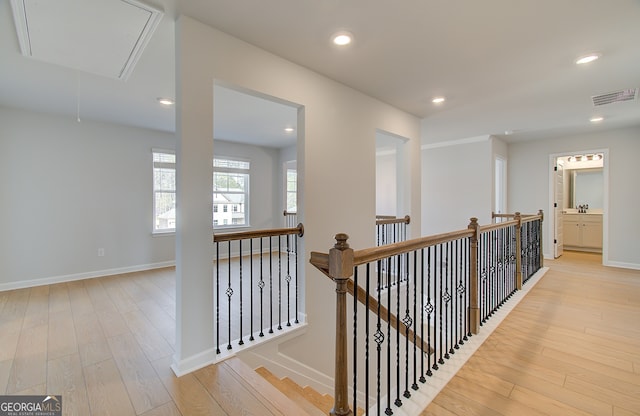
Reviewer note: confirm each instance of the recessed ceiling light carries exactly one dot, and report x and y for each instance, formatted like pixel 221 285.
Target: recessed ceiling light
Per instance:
pixel 437 100
pixel 288 129
pixel 587 58
pixel 342 38
pixel 166 101
pixel 596 119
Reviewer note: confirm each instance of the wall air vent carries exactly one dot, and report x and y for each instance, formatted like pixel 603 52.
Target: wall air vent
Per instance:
pixel 102 37
pixel 615 97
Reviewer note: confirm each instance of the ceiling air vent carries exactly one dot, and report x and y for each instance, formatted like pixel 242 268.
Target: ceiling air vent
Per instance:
pixel 615 97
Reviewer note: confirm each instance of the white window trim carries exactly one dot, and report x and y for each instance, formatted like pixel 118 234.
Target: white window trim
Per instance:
pixel 155 231
pixel 247 192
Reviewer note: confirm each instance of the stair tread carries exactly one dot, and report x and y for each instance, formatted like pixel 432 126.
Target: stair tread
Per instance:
pixel 267 391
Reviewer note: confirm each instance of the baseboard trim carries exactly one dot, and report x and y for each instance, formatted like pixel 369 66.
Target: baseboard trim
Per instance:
pixel 193 363
pixel 622 265
pixel 81 276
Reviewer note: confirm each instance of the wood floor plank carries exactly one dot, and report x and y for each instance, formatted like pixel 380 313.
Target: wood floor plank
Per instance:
pixel 65 377
pixel 92 344
pixel 106 390
pixel 167 409
pixel 145 389
pixel 37 312
pixel 233 396
pixel 188 394
pixel 62 335
pixel 148 337
pixel 30 363
pixel 5 369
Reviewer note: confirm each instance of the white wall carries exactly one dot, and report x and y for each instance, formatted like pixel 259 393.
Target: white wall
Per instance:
pixel 69 188
pixel 529 186
pixel 457 184
pixel 336 161
pixel 386 189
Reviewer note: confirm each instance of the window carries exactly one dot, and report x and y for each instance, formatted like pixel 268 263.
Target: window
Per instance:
pixel 292 190
pixel 231 190
pixel 164 191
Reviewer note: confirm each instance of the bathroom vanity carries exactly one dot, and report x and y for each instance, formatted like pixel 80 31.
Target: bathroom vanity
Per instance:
pixel 582 231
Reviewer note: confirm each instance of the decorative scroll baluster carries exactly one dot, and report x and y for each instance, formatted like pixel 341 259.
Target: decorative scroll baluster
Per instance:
pixel 229 293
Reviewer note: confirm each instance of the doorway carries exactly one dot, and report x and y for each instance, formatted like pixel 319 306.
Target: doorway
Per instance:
pixel 578 202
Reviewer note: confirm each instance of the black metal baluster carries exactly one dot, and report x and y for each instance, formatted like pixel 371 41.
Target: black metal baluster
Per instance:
pixel 229 293
pixel 467 297
pixel 261 285
pixel 388 410
pixel 422 311
pixel 279 283
pixel 397 401
pixel 241 342
pixel 271 285
pixel 355 338
pixel 251 288
pixel 414 386
pixel 379 338
pixel 217 298
pixel 441 300
pixel 430 308
pixel 451 285
pixel 367 340
pixel 288 279
pixel 295 258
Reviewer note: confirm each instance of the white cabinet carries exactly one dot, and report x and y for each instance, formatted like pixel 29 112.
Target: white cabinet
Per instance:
pixel 582 232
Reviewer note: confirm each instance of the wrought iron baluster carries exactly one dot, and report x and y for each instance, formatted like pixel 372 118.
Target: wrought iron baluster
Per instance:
pixel 279 282
pixel 355 337
pixel 251 338
pixel 270 285
pixel 261 286
pixel 229 293
pixel 241 342
pixel 217 298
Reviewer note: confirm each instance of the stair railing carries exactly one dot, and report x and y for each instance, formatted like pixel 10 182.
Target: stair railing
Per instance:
pixel 256 284
pixel 451 284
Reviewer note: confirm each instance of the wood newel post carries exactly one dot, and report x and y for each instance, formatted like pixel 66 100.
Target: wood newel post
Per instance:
pixel 340 270
pixel 474 307
pixel 518 217
pixel 541 213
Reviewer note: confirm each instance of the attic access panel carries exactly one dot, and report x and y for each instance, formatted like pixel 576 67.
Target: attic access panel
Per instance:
pixel 102 37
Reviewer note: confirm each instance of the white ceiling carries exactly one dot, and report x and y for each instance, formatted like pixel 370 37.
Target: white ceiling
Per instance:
pixel 502 64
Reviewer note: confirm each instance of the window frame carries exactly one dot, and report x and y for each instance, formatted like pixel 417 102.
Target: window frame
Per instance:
pixel 162 165
pixel 228 223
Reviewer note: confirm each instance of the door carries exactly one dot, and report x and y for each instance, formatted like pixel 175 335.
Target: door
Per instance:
pixel 558 239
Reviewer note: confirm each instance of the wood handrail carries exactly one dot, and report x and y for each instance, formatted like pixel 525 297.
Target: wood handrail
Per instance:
pixel 245 235
pixel 378 253
pixel 384 219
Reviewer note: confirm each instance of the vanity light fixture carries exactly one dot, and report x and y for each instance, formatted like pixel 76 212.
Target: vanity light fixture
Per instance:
pixel 166 101
pixel 587 58
pixel 342 38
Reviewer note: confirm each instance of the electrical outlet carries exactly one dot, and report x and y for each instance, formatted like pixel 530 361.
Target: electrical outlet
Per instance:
pixel 101 252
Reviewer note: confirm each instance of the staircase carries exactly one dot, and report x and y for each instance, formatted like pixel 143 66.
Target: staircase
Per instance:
pixel 313 402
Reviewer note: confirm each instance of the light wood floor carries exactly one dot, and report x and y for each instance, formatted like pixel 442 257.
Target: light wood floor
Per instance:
pixel 571 347
pixel 106 345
